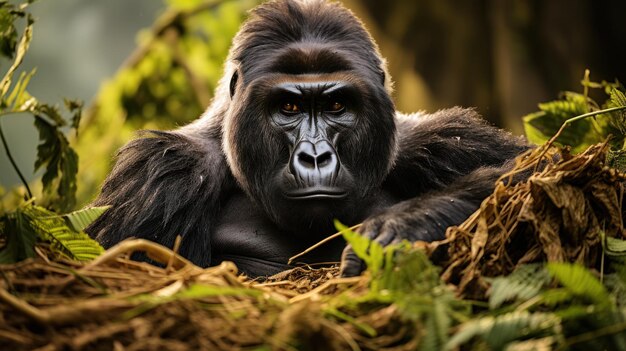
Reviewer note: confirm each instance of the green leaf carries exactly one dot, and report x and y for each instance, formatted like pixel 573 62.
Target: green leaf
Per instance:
pixel 524 283
pixel 614 246
pixel 60 161
pixel 618 118
pixel 369 251
pixel 19 97
pixel 22 47
pixel 8 31
pixel 81 219
pixel 20 236
pixel 65 241
pixel 499 331
pixel 617 98
pixel 76 109
pixel 553 297
pixel 541 126
pixel 579 281
pixel 438 323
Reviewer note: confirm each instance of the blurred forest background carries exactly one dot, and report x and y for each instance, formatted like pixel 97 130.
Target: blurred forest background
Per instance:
pixel 154 64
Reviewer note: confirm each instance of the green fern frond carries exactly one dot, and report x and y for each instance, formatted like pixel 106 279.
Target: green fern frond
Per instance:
pixel 69 243
pixel 613 246
pixel 574 104
pixel 579 280
pixel 617 98
pixel 524 283
pixel 81 219
pixel 369 251
pixel 437 325
pixel 501 330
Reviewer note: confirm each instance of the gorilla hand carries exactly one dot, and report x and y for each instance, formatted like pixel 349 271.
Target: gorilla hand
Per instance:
pixel 425 218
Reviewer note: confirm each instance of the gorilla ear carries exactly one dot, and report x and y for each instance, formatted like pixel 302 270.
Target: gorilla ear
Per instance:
pixel 233 83
pixel 385 77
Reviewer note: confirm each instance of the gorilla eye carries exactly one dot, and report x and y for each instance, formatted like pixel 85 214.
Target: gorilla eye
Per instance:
pixel 335 107
pixel 289 108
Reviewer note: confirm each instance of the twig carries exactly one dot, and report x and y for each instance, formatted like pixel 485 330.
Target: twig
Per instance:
pixel 153 250
pixel 547 145
pixel 326 285
pixel 15 167
pixel 320 243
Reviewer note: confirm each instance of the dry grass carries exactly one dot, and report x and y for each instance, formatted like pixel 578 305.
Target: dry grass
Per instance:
pixel 114 303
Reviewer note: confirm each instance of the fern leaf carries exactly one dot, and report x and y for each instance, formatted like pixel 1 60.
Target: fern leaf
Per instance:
pixel 81 219
pixel 499 331
pixel 369 251
pixel 579 281
pixel 554 297
pixel 617 98
pixel 524 283
pixel 438 323
pixel 67 242
pixel 614 246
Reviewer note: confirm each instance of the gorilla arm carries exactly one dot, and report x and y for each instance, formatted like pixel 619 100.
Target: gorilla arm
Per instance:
pixel 447 164
pixel 164 185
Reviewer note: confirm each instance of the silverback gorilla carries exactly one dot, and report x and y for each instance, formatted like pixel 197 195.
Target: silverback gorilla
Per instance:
pixel 302 130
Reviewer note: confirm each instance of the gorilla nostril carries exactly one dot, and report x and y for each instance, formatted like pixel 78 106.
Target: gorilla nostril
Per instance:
pixel 306 160
pixel 324 159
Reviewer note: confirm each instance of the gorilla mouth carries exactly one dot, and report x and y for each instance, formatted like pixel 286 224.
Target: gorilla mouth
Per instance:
pixel 316 193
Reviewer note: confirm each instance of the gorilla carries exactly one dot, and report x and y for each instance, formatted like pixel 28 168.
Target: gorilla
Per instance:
pixel 302 131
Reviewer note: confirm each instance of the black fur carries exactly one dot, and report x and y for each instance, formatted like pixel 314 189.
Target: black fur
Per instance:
pixel 217 182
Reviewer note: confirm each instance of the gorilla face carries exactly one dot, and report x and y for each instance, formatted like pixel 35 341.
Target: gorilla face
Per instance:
pixel 309 133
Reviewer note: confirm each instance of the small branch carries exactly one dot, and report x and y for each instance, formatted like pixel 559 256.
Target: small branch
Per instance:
pixel 583 116
pixel 15 167
pixel 547 145
pixel 320 243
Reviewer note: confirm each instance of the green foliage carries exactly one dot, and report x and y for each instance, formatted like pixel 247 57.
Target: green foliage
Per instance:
pixel 167 82
pixel 371 252
pixel 406 277
pixel 60 161
pixel 579 281
pixel 54 153
pixel 30 222
pixel 81 219
pixel 572 109
pixel 523 284
pixel 499 331
pixel 20 235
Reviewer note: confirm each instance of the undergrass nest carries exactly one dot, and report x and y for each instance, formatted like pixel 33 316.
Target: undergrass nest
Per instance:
pixel 419 296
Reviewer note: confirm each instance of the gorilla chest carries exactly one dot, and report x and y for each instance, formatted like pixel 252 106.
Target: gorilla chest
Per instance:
pixel 246 236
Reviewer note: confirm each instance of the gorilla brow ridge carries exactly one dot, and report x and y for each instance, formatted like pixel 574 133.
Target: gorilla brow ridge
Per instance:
pixel 303 60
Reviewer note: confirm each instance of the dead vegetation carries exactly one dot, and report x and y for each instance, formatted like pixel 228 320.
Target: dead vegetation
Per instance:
pixel 559 214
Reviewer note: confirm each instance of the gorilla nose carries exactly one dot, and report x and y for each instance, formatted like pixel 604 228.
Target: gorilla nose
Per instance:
pixel 315 164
